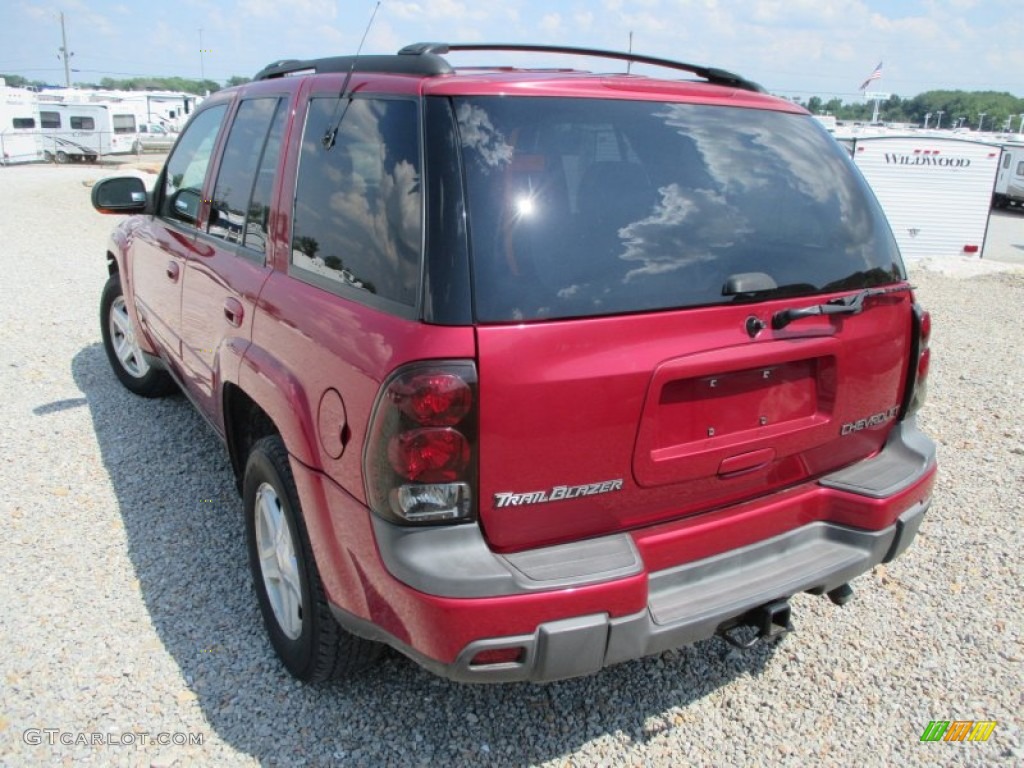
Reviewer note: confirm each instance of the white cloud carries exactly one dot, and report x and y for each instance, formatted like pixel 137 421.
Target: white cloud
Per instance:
pixel 551 23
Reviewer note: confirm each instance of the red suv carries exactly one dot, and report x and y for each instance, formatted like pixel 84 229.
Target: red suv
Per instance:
pixel 527 372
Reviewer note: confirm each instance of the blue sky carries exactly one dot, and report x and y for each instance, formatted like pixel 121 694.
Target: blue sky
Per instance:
pixel 793 47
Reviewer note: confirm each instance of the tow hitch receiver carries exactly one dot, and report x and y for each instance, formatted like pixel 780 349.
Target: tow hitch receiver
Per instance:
pixel 770 620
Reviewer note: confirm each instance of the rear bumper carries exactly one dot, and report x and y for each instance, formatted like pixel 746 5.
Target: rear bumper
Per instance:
pixel 686 604
pixel 442 597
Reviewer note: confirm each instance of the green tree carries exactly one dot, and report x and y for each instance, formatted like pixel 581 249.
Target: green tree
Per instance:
pixel 17 81
pixel 198 87
pixel 307 245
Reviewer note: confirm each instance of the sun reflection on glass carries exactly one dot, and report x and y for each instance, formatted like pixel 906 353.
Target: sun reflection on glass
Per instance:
pixel 525 206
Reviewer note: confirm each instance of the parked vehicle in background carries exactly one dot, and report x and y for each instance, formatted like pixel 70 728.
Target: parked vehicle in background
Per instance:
pixel 84 132
pixel 936 191
pixel 527 372
pixel 1009 188
pixel 19 128
pixel 153 137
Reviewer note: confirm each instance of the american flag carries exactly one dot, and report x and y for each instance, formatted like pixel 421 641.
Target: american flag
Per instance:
pixel 876 75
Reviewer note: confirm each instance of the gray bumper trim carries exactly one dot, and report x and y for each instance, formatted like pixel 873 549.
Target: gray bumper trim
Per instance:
pixel 908 453
pixel 686 604
pixel 455 561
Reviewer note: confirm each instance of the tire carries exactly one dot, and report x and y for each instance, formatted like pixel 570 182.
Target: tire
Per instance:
pixel 62 157
pixel 48 156
pixel 295 611
pixel 123 351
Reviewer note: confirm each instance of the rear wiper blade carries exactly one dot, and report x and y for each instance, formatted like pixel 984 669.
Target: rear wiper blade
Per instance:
pixel 847 305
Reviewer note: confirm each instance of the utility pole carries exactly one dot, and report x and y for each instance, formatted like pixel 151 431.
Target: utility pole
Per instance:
pixel 64 53
pixel 981 120
pixel 202 63
pixel 938 125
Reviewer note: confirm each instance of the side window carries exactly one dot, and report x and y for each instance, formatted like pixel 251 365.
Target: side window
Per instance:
pixel 124 123
pixel 358 205
pixel 24 122
pixel 241 197
pixel 1006 161
pixel 1020 168
pixel 49 119
pixel 83 123
pixel 186 167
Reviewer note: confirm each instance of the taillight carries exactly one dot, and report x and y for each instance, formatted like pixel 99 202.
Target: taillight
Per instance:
pixel 918 379
pixel 420 461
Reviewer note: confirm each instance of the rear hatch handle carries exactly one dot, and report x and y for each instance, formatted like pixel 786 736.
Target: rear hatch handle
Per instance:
pixel 847 305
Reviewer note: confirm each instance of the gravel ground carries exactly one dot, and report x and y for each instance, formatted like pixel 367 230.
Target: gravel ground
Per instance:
pixel 126 608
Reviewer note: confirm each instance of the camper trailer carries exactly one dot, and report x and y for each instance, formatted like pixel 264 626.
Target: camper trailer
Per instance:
pixel 935 191
pixel 1009 189
pixel 84 132
pixel 19 142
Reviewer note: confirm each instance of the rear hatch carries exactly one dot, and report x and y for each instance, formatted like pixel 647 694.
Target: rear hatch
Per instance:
pixel 637 268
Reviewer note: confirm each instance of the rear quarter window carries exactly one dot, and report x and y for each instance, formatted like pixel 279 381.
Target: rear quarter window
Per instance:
pixel 358 217
pixel 582 207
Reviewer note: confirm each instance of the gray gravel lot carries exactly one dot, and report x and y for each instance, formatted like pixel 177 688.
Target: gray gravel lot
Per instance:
pixel 126 607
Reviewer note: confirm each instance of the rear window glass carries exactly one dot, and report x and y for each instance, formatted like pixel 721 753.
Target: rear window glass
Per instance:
pixel 584 207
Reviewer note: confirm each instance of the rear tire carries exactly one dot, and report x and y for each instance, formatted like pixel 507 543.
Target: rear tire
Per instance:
pixel 295 611
pixel 62 157
pixel 126 358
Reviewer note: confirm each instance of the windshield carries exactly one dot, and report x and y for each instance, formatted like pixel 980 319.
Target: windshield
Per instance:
pixel 581 207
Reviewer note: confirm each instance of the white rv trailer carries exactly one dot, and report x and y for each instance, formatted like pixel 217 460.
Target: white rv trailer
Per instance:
pixel 1009 189
pixel 19 142
pixel 935 191
pixel 168 108
pixel 77 132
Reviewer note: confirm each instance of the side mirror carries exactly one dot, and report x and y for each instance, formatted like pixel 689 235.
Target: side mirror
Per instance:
pixel 119 194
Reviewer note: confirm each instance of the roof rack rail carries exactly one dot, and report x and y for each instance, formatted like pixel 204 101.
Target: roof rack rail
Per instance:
pixel 426 64
pixel 711 74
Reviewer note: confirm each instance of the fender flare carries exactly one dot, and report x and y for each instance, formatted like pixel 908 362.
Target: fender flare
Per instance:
pixel 276 390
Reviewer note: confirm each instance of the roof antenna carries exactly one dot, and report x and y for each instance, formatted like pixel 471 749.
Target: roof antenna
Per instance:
pixel 629 63
pixel 332 130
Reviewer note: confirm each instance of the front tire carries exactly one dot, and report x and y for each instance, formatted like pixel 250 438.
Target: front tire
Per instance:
pixel 291 596
pixel 123 352
pixel 62 157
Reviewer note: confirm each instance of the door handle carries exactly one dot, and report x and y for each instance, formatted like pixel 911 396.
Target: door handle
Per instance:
pixel 233 311
pixel 173 270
